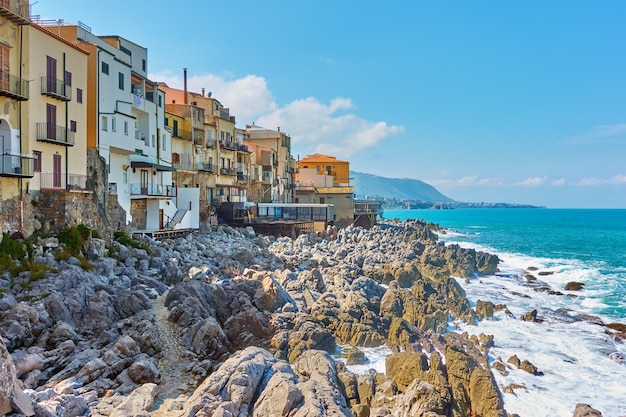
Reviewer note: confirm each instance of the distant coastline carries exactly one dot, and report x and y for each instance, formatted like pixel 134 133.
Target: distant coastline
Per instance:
pixel 393 204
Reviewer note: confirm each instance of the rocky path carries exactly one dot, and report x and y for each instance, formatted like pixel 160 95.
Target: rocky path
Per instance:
pixel 174 379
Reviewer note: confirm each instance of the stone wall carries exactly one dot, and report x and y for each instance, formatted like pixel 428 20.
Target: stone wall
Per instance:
pixel 139 212
pixel 18 215
pixel 62 208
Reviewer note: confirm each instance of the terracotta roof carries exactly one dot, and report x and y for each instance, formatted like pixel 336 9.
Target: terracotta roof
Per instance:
pixel 318 157
pixel 60 38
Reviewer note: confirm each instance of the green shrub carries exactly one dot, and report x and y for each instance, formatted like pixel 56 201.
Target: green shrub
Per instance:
pixel 74 238
pixel 11 247
pixel 123 238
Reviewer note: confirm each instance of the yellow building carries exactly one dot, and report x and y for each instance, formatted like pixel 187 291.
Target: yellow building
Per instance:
pixel 15 162
pixel 222 159
pixel 323 179
pixel 285 165
pixel 57 109
pixel 327 165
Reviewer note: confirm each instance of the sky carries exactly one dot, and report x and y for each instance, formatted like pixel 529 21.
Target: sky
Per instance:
pixel 486 100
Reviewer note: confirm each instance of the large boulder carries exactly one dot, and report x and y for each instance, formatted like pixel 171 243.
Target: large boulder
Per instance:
pixel 12 398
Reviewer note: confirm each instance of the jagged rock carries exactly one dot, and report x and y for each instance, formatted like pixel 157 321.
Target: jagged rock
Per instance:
pixel 420 399
pixel 585 410
pixel 484 309
pixel 138 403
pixel 12 398
pixel 574 286
pixel 530 316
pixel 355 356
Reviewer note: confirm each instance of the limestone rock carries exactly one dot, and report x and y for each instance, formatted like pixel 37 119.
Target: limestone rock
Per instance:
pixel 585 410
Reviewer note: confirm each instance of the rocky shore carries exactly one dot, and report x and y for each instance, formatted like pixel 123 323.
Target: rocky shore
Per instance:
pixel 229 323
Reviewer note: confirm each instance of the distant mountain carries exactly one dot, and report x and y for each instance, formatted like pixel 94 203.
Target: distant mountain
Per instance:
pixel 374 186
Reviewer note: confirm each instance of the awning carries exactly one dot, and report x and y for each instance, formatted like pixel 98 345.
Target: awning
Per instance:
pixel 146 164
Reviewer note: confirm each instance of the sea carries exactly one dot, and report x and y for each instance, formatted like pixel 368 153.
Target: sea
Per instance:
pixel 579 361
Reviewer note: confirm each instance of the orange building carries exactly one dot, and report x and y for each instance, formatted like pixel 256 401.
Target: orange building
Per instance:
pixel 328 165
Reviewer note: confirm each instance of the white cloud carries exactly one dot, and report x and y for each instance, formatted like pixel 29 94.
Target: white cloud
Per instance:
pixel 599 132
pixel 616 180
pixel 532 181
pixel 313 126
pixel 247 97
pixel 559 182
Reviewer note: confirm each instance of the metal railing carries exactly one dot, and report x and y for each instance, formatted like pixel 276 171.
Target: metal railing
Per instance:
pixel 373 207
pixel 228 171
pixel 159 190
pixel 228 145
pixel 305 186
pixel 13 86
pixel 243 148
pixel 210 143
pixel 206 167
pixel 19 9
pixel 55 134
pixel 181 134
pixel 16 165
pixel 242 177
pixel 61 181
pixel 56 88
pixel 184 166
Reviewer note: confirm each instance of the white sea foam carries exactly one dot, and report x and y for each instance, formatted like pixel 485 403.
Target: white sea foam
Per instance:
pixel 375 359
pixel 579 359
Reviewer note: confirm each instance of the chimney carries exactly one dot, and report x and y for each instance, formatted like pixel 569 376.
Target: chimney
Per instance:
pixel 278 128
pixel 202 91
pixel 185 79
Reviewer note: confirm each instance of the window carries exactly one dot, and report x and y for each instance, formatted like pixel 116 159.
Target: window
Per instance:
pixel 4 66
pixel 105 123
pixel 126 128
pixel 79 95
pixel 37 161
pixel 125 178
pixel 322 200
pixel 113 124
pixel 143 64
pixel 105 68
pixel 68 78
pixel 167 121
pixel 160 100
pixel 153 141
pixel 73 126
pixel 120 81
pixel 163 142
pixel 175 128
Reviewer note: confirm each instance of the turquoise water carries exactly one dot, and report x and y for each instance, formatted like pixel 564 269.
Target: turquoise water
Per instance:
pixel 580 360
pixel 592 240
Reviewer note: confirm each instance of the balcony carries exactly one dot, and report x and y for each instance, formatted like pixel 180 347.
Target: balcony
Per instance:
pixel 206 167
pixel 18 14
pixel 242 178
pixel 55 134
pixel 228 171
pixel 13 87
pixel 228 145
pixel 61 181
pixel 243 148
pixel 139 135
pixel 210 143
pixel 54 88
pixel 184 166
pixel 16 165
pixel 305 186
pixel 152 190
pixel 181 134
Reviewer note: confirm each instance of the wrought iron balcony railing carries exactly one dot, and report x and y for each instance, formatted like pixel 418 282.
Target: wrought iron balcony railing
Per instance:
pixel 206 167
pixel 61 181
pixel 52 87
pixel 157 190
pixel 55 134
pixel 12 86
pixel 228 171
pixel 16 165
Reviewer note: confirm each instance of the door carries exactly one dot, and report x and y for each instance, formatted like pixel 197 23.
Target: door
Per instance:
pixel 51 74
pixel 5 162
pixel 51 121
pixel 161 217
pixel 4 68
pixel 144 182
pixel 56 171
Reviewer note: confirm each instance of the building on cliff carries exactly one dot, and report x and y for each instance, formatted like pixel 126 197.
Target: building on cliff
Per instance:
pixel 282 166
pixel 324 179
pixel 126 128
pixel 16 164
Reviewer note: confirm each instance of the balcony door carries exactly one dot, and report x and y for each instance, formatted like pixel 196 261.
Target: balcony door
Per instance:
pixel 144 182
pixel 56 171
pixel 4 68
pixel 51 74
pixel 51 121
